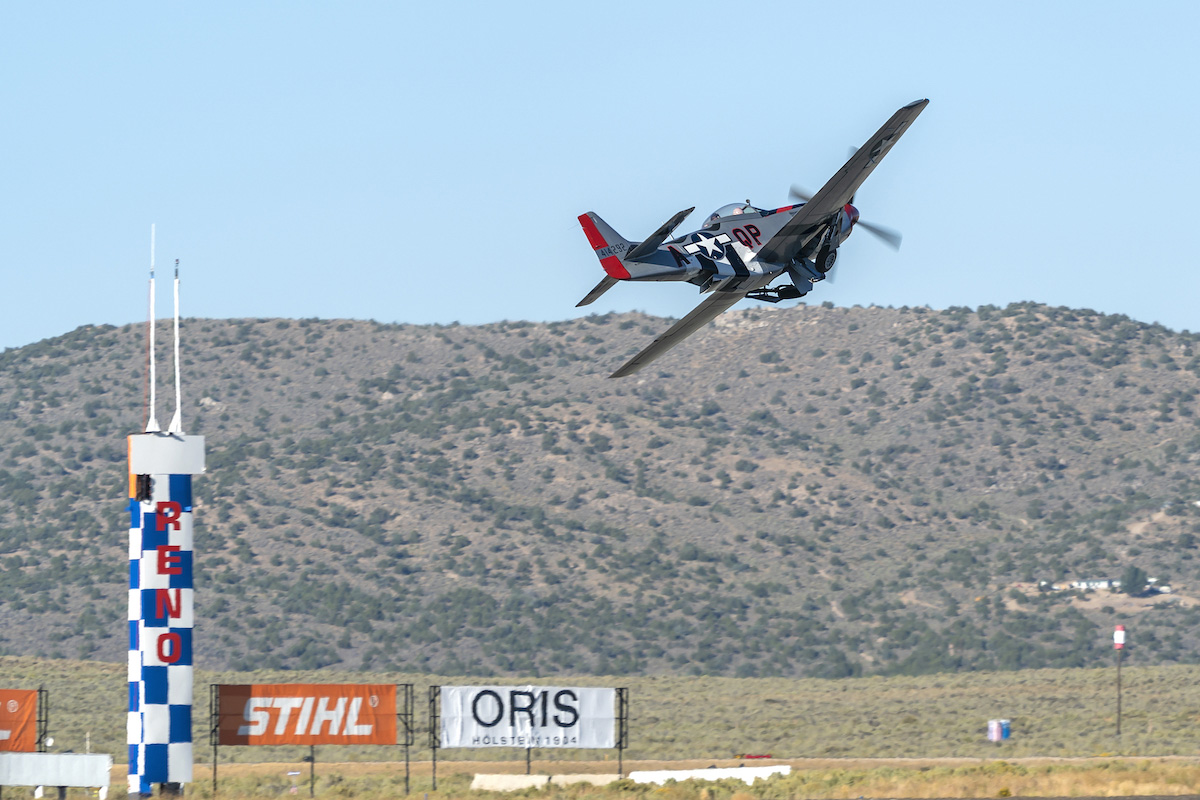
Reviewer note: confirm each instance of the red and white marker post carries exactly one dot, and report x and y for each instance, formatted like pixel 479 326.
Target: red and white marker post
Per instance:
pixel 1119 646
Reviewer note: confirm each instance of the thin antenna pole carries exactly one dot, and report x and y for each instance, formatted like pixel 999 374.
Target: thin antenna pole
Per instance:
pixel 152 425
pixel 176 425
pixel 146 373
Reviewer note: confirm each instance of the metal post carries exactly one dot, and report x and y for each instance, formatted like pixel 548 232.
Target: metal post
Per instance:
pixel 407 719
pixel 43 718
pixel 214 725
pixel 434 732
pixel 1119 659
pixel 312 770
pixel 622 728
pixel 528 752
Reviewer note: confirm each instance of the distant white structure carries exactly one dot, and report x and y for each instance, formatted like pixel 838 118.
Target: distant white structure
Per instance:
pixel 1094 584
pixel 1112 584
pixel 90 770
pixel 746 774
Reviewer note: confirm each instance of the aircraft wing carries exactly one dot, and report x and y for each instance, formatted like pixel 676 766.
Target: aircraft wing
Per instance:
pixel 700 316
pixel 790 240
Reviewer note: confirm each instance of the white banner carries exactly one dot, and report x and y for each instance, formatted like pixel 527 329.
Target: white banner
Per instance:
pixel 528 716
pixel 54 769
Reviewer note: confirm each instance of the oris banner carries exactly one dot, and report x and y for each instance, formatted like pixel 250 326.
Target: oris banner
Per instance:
pixel 527 716
pixel 18 720
pixel 301 713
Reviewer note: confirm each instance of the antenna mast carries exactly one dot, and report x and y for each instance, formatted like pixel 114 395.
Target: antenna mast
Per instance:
pixel 176 425
pixel 152 425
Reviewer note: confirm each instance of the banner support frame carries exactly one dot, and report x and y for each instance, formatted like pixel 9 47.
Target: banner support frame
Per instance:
pixel 312 770
pixel 43 717
pixel 622 728
pixel 406 716
pixel 214 721
pixel 435 693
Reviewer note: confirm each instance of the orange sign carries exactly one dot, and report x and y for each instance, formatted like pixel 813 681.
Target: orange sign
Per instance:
pixel 18 720
pixel 307 713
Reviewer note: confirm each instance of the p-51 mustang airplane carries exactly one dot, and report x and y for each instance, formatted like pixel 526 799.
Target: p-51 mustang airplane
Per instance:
pixel 742 249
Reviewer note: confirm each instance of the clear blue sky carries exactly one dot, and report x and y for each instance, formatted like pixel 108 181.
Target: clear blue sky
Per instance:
pixel 425 162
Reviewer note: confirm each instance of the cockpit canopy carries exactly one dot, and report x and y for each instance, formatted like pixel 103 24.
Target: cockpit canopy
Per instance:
pixel 730 210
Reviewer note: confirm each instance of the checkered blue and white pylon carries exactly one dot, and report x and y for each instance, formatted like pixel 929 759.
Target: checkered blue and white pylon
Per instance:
pixel 160 634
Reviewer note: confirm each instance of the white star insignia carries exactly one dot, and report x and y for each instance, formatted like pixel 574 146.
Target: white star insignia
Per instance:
pixel 713 246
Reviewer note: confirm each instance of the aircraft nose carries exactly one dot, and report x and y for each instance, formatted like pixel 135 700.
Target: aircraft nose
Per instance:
pixel 852 212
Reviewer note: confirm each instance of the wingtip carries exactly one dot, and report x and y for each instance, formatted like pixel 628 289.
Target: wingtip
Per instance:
pixel 624 372
pixel 630 367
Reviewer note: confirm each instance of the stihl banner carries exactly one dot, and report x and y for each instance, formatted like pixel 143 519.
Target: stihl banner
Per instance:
pixel 302 713
pixel 18 720
pixel 527 716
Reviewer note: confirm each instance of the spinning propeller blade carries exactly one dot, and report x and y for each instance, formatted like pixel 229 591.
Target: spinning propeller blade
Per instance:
pixel 799 194
pixel 888 236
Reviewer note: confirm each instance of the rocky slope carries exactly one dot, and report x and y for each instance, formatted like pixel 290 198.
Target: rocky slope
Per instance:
pixel 810 491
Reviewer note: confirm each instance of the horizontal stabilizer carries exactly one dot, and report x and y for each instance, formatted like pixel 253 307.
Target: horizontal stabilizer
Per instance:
pixel 659 236
pixel 603 286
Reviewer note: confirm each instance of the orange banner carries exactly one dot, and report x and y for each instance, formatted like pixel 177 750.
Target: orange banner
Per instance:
pixel 18 720
pixel 304 713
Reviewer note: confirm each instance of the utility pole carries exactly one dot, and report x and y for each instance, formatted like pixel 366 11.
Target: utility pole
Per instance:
pixel 1119 646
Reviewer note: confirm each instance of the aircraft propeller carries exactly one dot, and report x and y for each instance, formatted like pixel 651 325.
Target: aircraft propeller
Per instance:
pixel 891 238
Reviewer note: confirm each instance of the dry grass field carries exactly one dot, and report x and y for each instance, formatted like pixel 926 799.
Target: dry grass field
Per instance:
pixel 836 779
pixel 1054 713
pixel 849 738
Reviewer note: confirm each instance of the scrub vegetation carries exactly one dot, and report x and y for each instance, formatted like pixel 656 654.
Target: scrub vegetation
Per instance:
pixel 815 492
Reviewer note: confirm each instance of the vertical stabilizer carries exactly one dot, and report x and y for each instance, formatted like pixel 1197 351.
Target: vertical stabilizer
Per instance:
pixel 607 243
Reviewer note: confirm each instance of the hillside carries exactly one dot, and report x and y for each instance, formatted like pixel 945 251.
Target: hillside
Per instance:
pixel 815 491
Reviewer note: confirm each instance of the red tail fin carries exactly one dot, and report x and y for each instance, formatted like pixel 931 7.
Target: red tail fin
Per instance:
pixel 608 244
